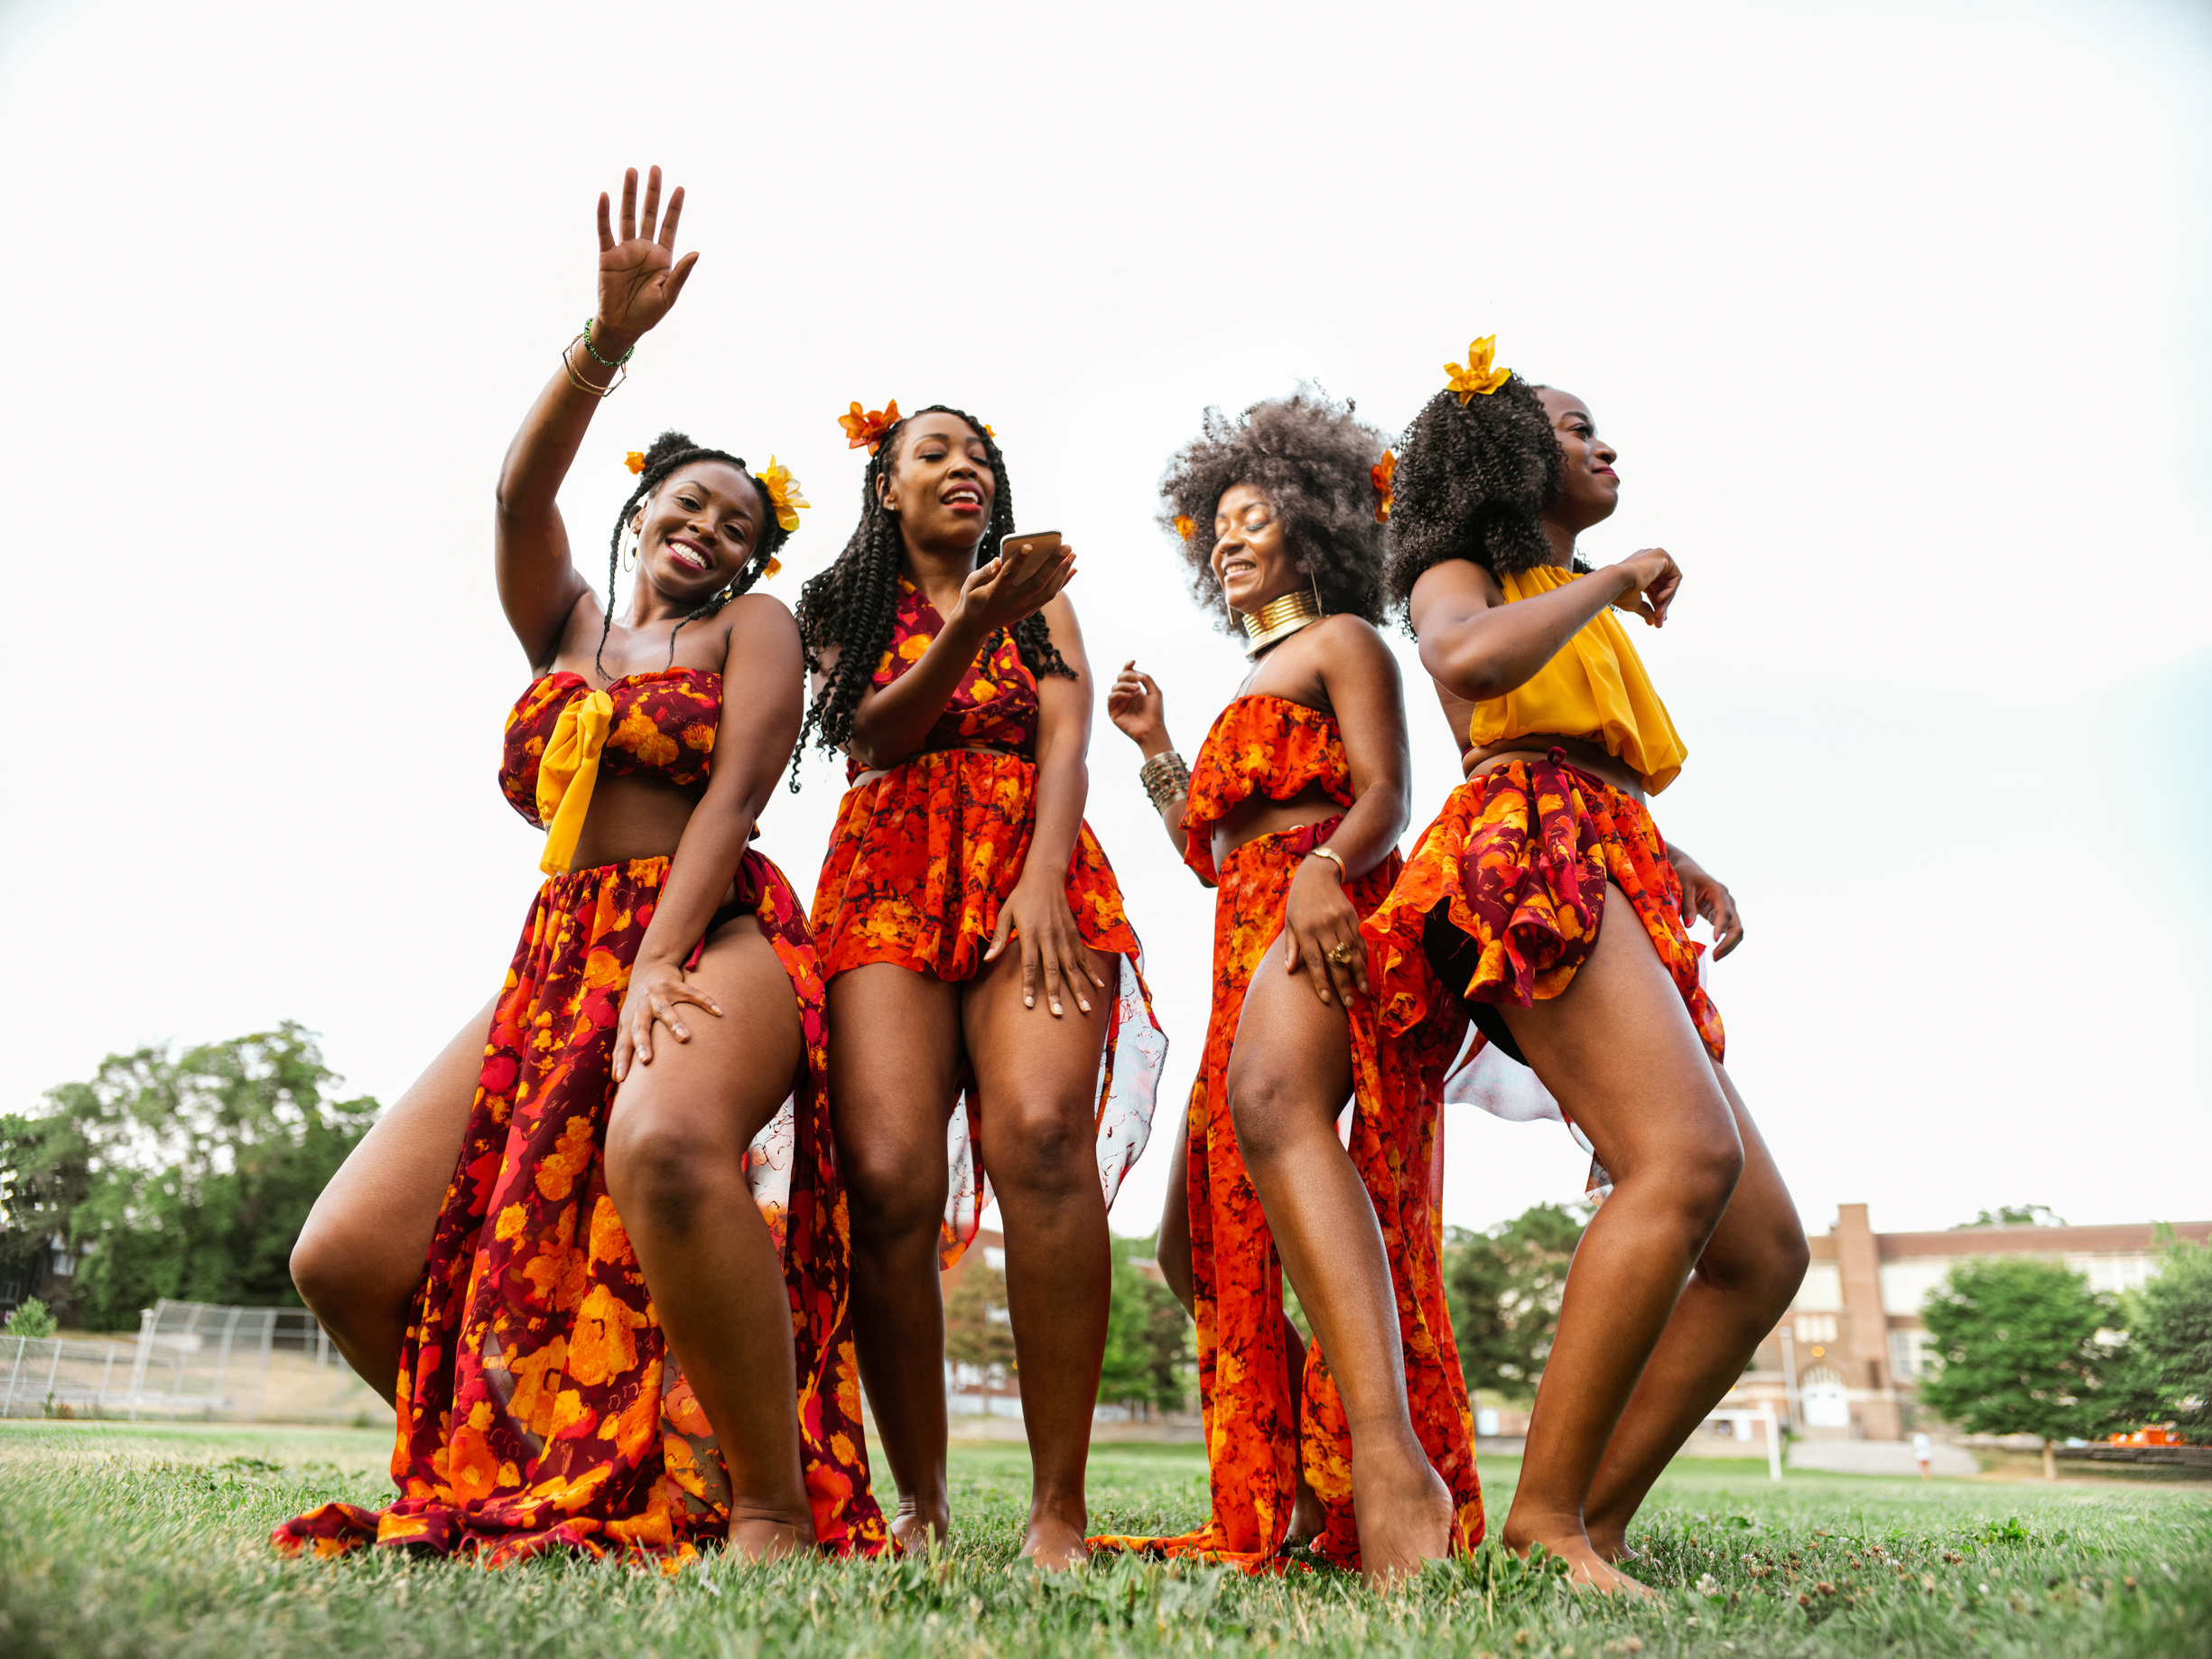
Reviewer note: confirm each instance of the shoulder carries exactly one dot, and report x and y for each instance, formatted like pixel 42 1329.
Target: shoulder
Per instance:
pixel 753 623
pixel 1457 584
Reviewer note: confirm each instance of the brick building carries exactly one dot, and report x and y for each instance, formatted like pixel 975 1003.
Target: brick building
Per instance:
pixel 1844 1364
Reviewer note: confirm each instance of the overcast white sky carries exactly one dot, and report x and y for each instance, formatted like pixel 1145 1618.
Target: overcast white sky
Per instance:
pixel 1898 315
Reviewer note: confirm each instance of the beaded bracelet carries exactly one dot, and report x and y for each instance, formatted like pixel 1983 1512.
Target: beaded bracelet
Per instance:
pixel 594 350
pixel 1164 776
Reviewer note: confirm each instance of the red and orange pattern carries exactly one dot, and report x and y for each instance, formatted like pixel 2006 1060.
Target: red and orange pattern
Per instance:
pixel 539 1406
pixel 1521 855
pixel 663 722
pixel 1268 745
pixel 925 853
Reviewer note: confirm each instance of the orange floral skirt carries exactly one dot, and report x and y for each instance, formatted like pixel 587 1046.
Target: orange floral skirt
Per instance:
pixel 922 857
pixel 1253 1449
pixel 1518 860
pixel 539 1406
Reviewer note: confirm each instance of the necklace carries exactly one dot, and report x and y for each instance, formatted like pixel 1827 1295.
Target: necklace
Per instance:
pixel 1279 618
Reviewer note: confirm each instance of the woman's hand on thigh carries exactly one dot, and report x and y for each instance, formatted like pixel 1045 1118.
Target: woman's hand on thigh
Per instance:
pixel 1321 932
pixel 1053 950
pixel 656 990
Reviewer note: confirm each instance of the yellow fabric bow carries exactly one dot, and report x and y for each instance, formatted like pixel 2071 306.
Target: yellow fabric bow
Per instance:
pixel 566 772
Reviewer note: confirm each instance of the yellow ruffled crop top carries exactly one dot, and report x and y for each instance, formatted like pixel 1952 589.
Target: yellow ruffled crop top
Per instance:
pixel 1595 687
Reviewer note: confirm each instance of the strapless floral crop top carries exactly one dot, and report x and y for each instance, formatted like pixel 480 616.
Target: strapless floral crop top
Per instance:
pixel 994 707
pixel 1261 745
pixel 561 735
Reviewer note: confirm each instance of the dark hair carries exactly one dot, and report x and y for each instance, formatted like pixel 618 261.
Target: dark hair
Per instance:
pixel 669 451
pixel 851 605
pixel 1313 461
pixel 1473 482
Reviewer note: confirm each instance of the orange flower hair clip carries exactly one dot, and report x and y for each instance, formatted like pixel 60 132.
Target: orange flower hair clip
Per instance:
pixel 1379 475
pixel 1478 376
pixel 864 428
pixel 783 496
pixel 636 461
pixel 1185 527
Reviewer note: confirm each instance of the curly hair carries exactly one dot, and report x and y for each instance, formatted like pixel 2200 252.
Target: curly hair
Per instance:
pixel 669 451
pixel 1473 482
pixel 851 605
pixel 1313 461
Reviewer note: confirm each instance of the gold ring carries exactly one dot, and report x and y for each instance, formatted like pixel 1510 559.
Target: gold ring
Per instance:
pixel 1340 954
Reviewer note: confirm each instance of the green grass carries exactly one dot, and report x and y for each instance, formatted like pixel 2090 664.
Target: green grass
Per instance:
pixel 121 1540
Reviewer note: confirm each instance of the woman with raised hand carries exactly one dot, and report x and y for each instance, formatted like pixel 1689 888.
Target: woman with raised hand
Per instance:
pixel 972 936
pixel 624 1338
pixel 1291 813
pixel 1543 896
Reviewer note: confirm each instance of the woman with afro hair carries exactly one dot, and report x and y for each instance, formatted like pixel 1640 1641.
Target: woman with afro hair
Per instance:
pixel 1291 813
pixel 625 1330
pixel 1545 897
pixel 972 937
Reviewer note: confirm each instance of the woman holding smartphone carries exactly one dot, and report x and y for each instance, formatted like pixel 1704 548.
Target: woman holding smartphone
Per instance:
pixel 1291 813
pixel 1543 896
pixel 600 1227
pixel 974 941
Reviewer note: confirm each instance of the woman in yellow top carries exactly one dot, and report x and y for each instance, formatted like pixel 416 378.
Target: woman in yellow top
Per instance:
pixel 1545 897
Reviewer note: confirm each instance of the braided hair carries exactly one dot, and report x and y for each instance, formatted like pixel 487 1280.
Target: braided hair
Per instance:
pixel 669 451
pixel 1473 482
pixel 851 605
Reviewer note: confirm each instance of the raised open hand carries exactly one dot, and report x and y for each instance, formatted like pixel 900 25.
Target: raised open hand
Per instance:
pixel 639 275
pixel 1135 707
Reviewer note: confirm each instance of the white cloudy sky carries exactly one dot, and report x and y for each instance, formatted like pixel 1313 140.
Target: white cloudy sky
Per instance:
pixel 1897 313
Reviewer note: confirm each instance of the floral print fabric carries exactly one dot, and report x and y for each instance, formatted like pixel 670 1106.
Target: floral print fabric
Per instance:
pixel 1520 855
pixel 663 722
pixel 1261 745
pixel 925 851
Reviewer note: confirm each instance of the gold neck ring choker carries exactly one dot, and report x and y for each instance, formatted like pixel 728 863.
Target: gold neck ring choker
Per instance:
pixel 1280 618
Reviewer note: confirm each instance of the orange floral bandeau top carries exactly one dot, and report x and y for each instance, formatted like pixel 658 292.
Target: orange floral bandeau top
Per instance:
pixel 1259 745
pixel 561 735
pixel 994 707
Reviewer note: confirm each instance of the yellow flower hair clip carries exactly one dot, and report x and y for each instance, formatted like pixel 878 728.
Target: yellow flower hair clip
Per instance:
pixel 636 461
pixel 1379 475
pixel 1185 527
pixel 1478 376
pixel 783 495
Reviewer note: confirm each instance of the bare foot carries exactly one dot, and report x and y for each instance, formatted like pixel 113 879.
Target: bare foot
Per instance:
pixel 764 1538
pixel 1405 1518
pixel 1307 1517
pixel 1611 1545
pixel 1053 1544
pixel 911 1527
pixel 1588 1568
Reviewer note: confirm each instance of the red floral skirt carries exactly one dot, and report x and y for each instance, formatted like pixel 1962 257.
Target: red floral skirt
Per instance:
pixel 1519 858
pixel 922 857
pixel 539 1406
pixel 1253 1449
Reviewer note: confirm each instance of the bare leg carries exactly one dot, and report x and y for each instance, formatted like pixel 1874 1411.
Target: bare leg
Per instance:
pixel 894 1047
pixel 1751 1268
pixel 1307 1517
pixel 675 1168
pixel 1037 1080
pixel 1619 1051
pixel 1288 1076
pixel 360 1258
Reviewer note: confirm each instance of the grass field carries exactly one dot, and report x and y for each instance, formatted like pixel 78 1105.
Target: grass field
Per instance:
pixel 120 1540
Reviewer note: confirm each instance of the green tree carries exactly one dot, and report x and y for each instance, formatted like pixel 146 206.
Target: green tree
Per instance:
pixel 2167 1374
pixel 2014 1216
pixel 1148 1347
pixel 976 1329
pixel 1504 1288
pixel 30 1319
pixel 181 1176
pixel 2017 1343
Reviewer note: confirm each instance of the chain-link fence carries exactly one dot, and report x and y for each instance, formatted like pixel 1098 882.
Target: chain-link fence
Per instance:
pixel 192 1360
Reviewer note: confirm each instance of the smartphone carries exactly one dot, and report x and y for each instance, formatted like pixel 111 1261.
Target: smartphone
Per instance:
pixel 1028 541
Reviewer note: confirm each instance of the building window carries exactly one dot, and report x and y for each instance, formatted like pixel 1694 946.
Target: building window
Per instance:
pixel 1909 1355
pixel 1815 1328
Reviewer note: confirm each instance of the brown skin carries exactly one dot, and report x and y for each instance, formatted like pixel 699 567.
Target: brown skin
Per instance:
pixel 897 1040
pixel 681 1120
pixel 1697 1202
pixel 1290 1071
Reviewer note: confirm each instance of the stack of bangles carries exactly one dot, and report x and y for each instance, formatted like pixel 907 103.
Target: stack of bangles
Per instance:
pixel 619 365
pixel 1166 778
